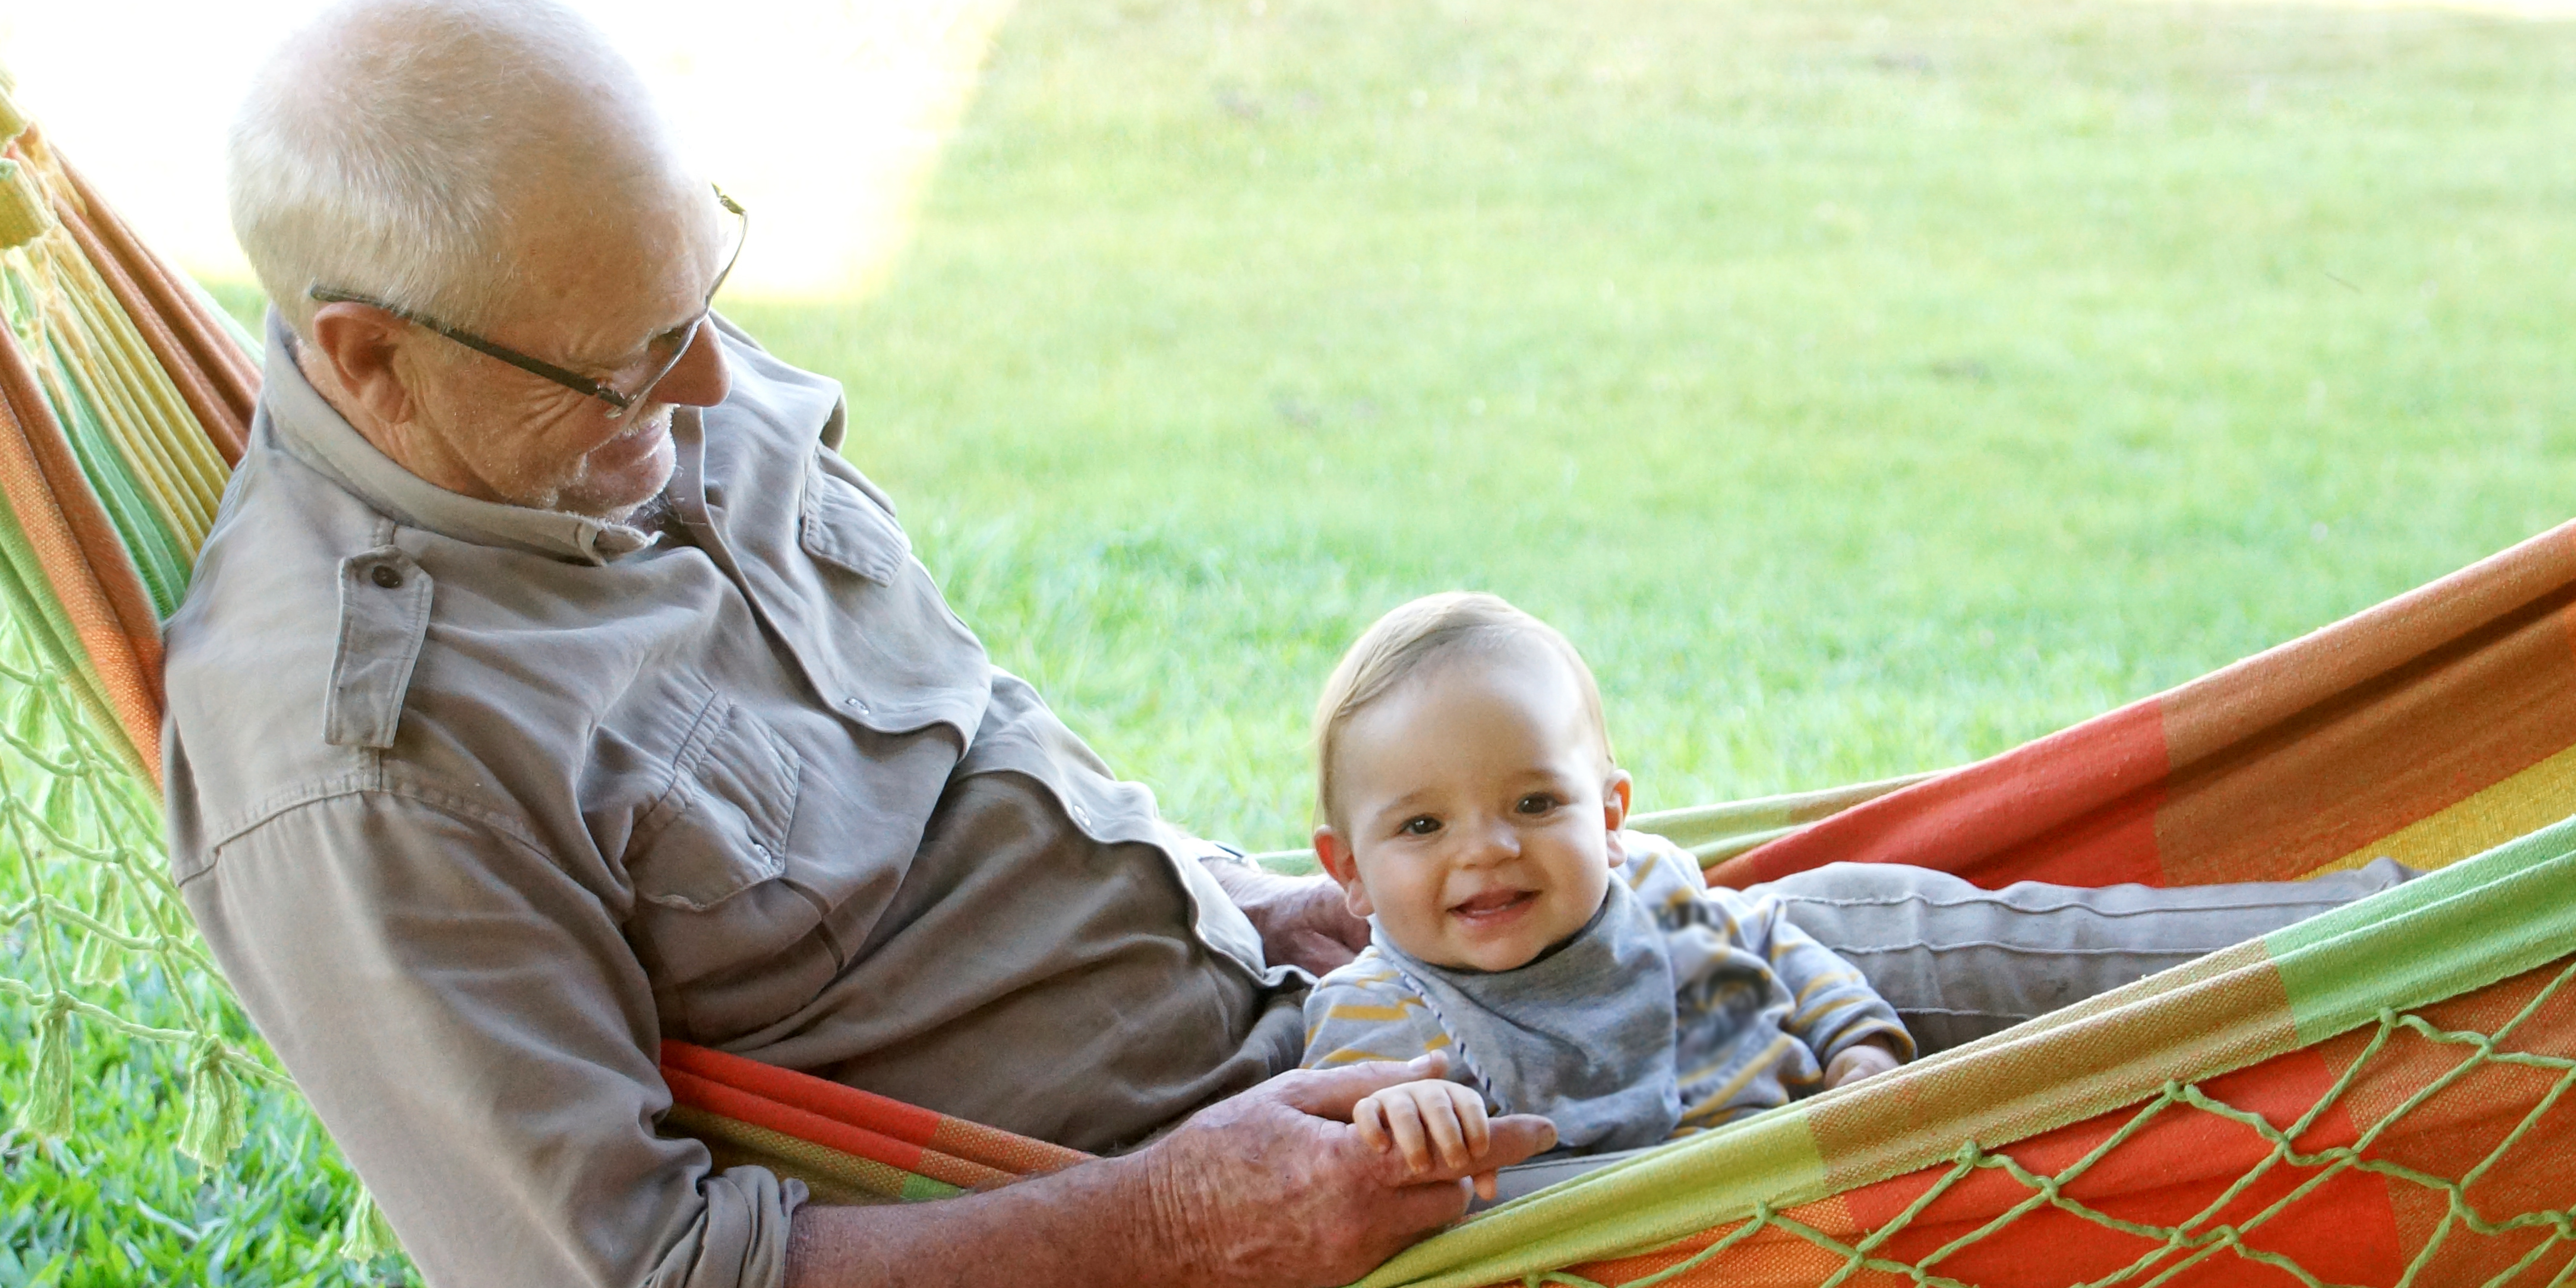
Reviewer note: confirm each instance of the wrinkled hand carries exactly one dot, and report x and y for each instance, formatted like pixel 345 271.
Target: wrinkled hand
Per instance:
pixel 1276 1189
pixel 1302 920
pixel 1866 1060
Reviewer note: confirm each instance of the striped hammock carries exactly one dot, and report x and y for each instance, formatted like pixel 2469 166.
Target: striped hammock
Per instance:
pixel 2376 1096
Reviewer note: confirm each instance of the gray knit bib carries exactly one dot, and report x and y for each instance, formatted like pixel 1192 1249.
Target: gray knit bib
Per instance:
pixel 1583 1036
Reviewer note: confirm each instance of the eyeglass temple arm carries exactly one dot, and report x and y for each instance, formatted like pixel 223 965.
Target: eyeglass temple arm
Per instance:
pixel 573 380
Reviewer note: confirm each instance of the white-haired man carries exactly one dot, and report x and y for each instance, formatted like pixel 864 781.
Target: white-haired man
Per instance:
pixel 550 687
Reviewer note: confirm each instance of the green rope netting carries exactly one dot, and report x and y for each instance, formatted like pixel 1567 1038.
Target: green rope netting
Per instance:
pixel 2180 1248
pixel 86 904
pixel 91 933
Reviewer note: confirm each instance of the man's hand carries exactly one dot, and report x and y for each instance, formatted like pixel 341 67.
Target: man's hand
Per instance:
pixel 1276 1187
pixel 1271 1189
pixel 1302 920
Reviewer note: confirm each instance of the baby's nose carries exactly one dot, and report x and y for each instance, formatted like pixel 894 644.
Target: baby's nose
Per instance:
pixel 1496 842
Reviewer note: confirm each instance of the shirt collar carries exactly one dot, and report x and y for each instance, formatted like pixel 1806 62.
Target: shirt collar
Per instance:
pixel 315 433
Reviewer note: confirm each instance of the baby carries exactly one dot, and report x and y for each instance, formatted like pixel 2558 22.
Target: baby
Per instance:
pixel 1471 811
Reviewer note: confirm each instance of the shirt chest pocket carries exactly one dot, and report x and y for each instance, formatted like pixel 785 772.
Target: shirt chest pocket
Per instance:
pixel 722 824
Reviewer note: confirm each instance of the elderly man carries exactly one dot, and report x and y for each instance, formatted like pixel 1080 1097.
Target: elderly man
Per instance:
pixel 550 687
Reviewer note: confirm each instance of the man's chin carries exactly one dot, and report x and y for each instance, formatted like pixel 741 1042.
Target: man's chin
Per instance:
pixel 619 477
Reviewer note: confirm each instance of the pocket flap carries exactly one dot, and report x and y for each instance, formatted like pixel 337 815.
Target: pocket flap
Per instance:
pixel 722 825
pixel 845 529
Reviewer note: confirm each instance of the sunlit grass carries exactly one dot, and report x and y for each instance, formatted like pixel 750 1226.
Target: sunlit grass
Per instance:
pixel 1865 389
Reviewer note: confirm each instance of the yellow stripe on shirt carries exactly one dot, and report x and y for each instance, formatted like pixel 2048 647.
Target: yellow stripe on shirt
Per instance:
pixel 1372 1014
pixel 1821 981
pixel 1717 1102
pixel 1809 1018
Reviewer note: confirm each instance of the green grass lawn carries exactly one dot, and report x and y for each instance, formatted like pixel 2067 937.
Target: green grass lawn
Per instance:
pixel 1866 388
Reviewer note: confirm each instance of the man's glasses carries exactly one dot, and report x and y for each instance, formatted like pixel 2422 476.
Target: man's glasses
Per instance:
pixel 661 353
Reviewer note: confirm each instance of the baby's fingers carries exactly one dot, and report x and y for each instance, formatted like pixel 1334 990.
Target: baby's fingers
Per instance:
pixel 1440 1120
pixel 1369 1115
pixel 1404 1122
pixel 1470 1108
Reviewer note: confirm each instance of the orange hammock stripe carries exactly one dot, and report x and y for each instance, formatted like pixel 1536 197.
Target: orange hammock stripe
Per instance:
pixel 858 1122
pixel 84 560
pixel 2290 762
pixel 804 1124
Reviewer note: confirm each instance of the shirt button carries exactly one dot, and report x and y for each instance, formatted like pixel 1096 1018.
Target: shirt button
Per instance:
pixel 387 576
pixel 1081 816
pixel 855 705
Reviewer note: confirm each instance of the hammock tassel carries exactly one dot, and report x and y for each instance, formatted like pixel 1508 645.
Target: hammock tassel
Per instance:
pixel 214 1124
pixel 102 958
pixel 368 1235
pixel 48 1111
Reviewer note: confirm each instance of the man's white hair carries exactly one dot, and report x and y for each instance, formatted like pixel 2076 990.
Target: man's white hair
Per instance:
pixel 383 147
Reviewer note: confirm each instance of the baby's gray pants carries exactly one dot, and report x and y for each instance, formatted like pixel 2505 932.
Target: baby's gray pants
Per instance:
pixel 1958 962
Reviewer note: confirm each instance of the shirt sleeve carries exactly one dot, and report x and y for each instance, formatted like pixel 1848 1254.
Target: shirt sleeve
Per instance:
pixel 478 1037
pixel 1364 1011
pixel 1832 1006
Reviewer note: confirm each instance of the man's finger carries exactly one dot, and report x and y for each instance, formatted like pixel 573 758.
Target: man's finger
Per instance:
pixel 1332 1093
pixel 1515 1139
pixel 1517 1136
pixel 1417 1210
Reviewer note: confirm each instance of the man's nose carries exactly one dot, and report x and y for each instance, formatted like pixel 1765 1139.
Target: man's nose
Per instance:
pixel 700 379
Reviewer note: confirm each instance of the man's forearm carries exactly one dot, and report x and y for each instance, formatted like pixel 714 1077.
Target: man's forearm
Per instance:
pixel 1096 1223
pixel 1272 1188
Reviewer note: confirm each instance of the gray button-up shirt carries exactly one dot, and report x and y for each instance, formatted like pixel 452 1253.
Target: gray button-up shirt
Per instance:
pixel 477 804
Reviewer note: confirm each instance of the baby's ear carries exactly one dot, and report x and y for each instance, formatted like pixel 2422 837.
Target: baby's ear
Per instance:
pixel 1332 851
pixel 1614 812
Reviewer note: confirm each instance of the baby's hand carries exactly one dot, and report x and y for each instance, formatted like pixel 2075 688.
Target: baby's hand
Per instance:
pixel 1418 1118
pixel 1868 1059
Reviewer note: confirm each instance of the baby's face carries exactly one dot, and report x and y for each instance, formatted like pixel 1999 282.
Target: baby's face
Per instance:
pixel 1477 810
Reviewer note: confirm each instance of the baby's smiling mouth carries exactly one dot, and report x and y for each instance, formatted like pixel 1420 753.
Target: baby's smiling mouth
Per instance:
pixel 1492 906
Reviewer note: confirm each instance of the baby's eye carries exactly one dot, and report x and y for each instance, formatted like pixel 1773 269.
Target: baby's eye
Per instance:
pixel 1535 803
pixel 1420 825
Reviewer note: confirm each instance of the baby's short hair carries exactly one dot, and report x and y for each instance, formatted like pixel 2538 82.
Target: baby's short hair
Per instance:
pixel 1413 635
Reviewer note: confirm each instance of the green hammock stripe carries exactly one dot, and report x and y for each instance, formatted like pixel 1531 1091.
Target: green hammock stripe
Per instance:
pixel 2509 910
pixel 2504 912
pixel 159 558
pixel 1714 833
pixel 28 600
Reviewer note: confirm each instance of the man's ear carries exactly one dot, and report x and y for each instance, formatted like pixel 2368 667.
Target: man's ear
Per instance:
pixel 356 345
pixel 1614 811
pixel 1343 867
